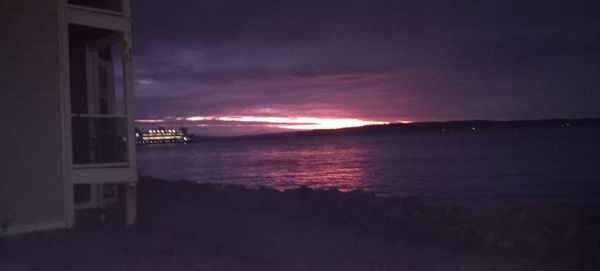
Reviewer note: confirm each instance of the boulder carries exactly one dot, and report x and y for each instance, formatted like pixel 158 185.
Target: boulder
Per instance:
pixel 453 215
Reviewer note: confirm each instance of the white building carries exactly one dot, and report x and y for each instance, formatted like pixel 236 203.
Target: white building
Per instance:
pixel 67 142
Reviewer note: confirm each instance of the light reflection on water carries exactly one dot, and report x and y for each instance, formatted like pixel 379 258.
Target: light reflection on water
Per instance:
pixel 486 166
pixel 278 165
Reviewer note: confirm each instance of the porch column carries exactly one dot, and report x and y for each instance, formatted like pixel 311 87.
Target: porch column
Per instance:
pixel 131 204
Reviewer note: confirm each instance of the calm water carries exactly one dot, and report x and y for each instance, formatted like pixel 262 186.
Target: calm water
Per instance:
pixel 532 165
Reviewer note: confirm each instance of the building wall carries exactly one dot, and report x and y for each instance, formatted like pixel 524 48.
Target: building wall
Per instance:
pixel 31 178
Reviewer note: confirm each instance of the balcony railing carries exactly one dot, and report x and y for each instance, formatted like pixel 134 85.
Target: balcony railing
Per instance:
pixel 99 139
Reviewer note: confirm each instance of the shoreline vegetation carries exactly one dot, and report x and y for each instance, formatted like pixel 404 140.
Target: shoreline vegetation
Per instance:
pixel 185 225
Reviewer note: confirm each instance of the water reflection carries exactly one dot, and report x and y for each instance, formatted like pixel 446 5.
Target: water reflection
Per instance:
pixel 318 166
pixel 525 165
pixel 278 165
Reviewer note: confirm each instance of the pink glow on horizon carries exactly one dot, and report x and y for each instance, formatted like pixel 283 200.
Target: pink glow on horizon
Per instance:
pixel 289 123
pixel 198 118
pixel 298 123
pixel 149 120
pixel 305 123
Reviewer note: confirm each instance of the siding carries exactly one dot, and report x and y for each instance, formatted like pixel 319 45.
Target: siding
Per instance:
pixel 31 180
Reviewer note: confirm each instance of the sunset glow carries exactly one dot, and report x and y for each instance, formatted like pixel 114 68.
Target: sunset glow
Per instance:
pixel 302 123
pixel 327 123
pixel 291 123
pixel 149 120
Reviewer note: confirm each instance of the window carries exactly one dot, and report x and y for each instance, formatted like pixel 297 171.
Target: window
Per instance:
pixel 98 104
pixel 82 193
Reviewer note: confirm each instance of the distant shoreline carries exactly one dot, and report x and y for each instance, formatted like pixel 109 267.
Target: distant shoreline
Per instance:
pixel 441 126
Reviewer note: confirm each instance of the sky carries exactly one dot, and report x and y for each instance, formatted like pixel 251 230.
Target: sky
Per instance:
pixel 233 67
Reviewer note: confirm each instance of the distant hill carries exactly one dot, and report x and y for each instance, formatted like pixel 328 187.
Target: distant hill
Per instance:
pixel 447 126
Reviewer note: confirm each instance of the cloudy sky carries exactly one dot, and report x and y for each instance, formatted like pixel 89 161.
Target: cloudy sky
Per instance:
pixel 228 67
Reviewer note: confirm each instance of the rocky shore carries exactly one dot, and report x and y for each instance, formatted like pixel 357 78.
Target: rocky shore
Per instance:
pixel 201 226
pixel 564 235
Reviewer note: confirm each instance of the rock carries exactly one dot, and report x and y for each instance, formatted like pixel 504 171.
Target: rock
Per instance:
pixel 295 199
pixel 452 236
pixel 453 215
pixel 479 238
pixel 392 208
pixel 359 194
pixel 410 206
pixel 427 211
pixel 179 189
pixel 533 241
pixel 583 240
pixel 268 198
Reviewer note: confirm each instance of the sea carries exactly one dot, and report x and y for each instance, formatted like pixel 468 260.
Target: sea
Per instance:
pixel 532 166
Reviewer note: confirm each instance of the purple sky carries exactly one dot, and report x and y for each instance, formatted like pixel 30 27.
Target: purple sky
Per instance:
pixel 369 60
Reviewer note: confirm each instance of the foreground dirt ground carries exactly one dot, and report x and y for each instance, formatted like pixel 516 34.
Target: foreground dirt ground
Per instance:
pixel 217 233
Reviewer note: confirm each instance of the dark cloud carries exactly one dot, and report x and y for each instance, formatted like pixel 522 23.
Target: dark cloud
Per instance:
pixel 387 60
